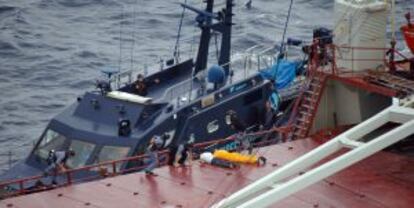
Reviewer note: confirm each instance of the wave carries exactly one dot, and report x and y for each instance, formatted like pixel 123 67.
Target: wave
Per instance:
pixel 8 49
pixel 6 9
pixel 83 3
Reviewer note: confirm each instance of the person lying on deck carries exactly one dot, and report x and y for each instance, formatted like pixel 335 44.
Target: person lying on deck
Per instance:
pixel 208 157
pixel 235 157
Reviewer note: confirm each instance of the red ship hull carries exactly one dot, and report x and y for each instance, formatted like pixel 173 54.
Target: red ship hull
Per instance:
pixel 381 181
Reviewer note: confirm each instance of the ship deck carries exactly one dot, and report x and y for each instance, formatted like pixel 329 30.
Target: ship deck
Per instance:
pixel 383 180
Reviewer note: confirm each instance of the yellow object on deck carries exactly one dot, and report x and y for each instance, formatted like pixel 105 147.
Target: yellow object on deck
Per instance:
pixel 235 157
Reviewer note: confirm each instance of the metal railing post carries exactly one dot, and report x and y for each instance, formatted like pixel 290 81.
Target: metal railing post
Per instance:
pixel 333 59
pixel 10 159
pixel 21 187
pixel 114 168
pixel 352 59
pixel 69 177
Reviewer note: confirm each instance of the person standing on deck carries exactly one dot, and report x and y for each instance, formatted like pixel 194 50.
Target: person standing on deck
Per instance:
pixel 184 153
pixel 57 163
pixel 268 116
pixel 155 144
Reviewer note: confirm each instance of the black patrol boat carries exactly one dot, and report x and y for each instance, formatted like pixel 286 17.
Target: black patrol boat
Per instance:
pixel 188 100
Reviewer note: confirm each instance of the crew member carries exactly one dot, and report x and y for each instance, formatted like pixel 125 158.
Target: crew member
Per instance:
pixel 181 154
pixel 156 143
pixel 208 157
pixel 57 163
pixel 235 123
pixel 141 85
pixel 268 116
pixel 238 125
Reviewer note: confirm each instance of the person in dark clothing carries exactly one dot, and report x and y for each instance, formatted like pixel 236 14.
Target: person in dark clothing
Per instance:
pixel 239 126
pixel 235 123
pixel 141 85
pixel 184 153
pixel 268 117
pixel 57 163
pixel 156 143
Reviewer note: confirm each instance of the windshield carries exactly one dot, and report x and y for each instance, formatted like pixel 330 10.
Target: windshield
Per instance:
pixel 51 140
pixel 83 151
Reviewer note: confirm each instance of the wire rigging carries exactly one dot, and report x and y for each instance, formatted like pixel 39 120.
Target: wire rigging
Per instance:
pixel 177 43
pixel 282 45
pixel 120 38
pixel 133 34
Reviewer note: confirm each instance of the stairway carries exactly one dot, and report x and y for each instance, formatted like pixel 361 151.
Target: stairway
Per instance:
pixel 307 107
pixel 403 86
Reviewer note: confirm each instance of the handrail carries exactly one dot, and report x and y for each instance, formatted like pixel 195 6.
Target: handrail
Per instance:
pixel 162 160
pixel 332 53
pixel 248 53
pixel 116 78
pixel 170 90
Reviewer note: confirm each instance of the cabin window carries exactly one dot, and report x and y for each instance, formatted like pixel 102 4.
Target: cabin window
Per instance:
pixel 253 97
pixel 83 151
pixel 109 153
pixel 51 141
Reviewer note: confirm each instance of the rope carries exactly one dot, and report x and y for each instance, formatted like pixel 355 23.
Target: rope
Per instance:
pixel 177 43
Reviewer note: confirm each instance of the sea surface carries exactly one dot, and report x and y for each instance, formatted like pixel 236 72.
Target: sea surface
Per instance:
pixel 52 51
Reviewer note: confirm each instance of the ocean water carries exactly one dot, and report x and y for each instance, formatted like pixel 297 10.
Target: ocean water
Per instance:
pixel 52 51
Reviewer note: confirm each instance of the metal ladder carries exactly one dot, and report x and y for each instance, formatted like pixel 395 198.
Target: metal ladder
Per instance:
pixel 309 102
pixel 287 180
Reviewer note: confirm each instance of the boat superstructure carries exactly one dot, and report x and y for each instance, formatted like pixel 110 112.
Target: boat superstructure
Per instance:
pixel 114 122
pixel 349 138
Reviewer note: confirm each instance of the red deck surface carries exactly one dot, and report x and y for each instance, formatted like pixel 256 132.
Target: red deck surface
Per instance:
pixel 383 180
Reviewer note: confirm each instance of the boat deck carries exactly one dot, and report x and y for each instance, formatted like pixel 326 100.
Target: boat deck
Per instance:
pixel 383 180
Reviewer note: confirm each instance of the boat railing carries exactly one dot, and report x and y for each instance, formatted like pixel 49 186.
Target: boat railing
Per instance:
pixel 9 155
pixel 131 164
pixel 126 76
pixel 329 58
pixel 252 60
pixel 119 79
pixel 180 92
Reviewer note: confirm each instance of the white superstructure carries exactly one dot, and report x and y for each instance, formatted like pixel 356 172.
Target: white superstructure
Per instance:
pixel 360 24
